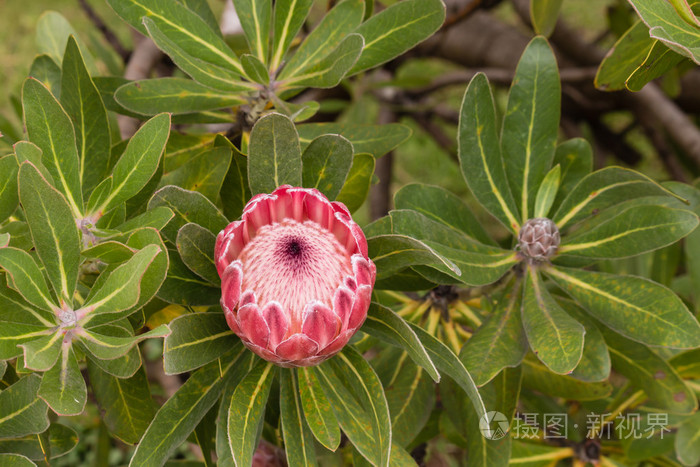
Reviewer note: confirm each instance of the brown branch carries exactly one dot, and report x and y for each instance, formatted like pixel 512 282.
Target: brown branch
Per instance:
pixel 653 102
pixel 461 14
pixel 658 139
pixel 108 34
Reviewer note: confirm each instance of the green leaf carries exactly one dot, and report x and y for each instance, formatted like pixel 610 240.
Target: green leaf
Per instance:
pixel 255 69
pixel 392 253
pixel 480 153
pixel 602 189
pixel 595 361
pixel 632 232
pixel 685 11
pixel 536 376
pixel 182 26
pixel 440 205
pixel 416 225
pixel 668 27
pixel 45 69
pixel 155 274
pixel 476 268
pixel 180 414
pixel 123 367
pixel 235 191
pixel 21 411
pixel 383 323
pixel 547 192
pixel 109 252
pixel 138 163
pixel 326 163
pixel 330 70
pixel 298 440
pixel 50 128
pixel 203 172
pixel 624 58
pixel 575 157
pixel 397 29
pixel 544 15
pixel 26 277
pixel 660 60
pixel 156 218
pixel 122 289
pixel 126 403
pixel 15 460
pixel 175 95
pixel 500 395
pixel 410 394
pixel 637 308
pixel 53 230
pixel 201 71
pixel 188 206
pixel 52 33
pixel 83 103
pixel 317 409
pixel 274 156
pixel 183 287
pixel 358 181
pixel 479 264
pixel 376 140
pixel 8 186
pixel 195 340
pixel 530 126
pixel 62 440
pixel 243 366
pixel 255 17
pixel 449 364
pixel 42 353
pixel 17 310
pixel 359 404
pixel 106 347
pixel 500 342
pixel 343 19
pixel 13 333
pixel 554 336
pixel 687 448
pixel 289 16
pixel 196 247
pixel 246 411
pixel 63 387
pixel 27 151
pixel 649 372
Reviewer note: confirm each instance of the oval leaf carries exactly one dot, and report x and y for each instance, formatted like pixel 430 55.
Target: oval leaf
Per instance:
pixel 274 156
pixel 637 308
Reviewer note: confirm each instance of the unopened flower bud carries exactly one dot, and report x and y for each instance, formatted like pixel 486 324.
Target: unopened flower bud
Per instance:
pixel 538 239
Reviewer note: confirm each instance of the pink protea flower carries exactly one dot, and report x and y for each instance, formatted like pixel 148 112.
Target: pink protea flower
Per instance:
pixel 296 280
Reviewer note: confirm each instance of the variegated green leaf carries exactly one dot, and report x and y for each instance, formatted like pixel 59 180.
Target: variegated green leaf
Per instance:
pixel 298 440
pixel 480 153
pixel 63 387
pixel 246 411
pixel 637 308
pixel 530 126
pixel 53 230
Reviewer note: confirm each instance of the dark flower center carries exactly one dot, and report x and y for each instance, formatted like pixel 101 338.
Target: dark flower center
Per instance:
pixel 294 247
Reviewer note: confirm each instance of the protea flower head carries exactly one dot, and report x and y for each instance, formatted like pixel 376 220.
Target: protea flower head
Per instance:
pixel 538 239
pixel 296 280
